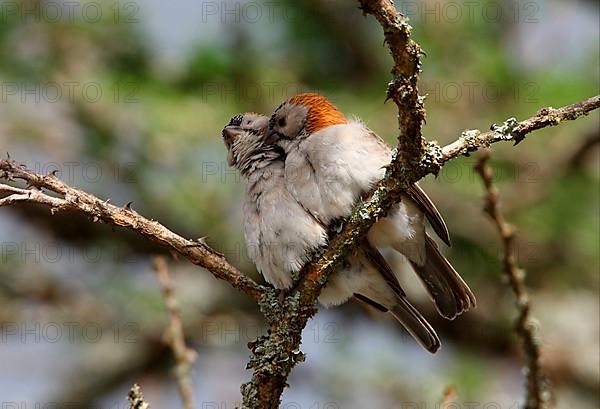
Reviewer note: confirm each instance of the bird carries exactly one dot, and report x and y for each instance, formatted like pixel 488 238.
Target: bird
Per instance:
pixel 331 161
pixel 281 236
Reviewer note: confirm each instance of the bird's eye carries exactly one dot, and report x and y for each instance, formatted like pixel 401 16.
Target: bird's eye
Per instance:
pixel 281 122
pixel 248 121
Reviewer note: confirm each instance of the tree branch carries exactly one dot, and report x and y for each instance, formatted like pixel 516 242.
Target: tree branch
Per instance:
pixel 511 130
pixel 538 393
pixel 70 198
pixel 174 336
pixel 402 89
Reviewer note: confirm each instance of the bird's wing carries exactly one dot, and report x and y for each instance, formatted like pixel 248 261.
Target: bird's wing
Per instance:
pixel 424 203
pixel 375 257
pixel 421 199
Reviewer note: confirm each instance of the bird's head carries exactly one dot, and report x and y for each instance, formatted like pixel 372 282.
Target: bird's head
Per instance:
pixel 243 136
pixel 301 116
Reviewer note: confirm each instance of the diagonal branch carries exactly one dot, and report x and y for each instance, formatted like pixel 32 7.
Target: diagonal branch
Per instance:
pixel 511 130
pixel 538 393
pixel 70 198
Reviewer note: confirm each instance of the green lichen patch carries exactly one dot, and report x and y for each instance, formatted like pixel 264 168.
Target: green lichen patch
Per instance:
pixel 506 131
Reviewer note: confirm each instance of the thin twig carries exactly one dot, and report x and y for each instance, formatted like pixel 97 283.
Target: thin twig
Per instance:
pixel 136 398
pixel 512 130
pixel 99 210
pixel 174 335
pixel 538 392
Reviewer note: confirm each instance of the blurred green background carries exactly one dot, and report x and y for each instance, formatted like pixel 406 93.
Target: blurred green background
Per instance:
pixel 127 100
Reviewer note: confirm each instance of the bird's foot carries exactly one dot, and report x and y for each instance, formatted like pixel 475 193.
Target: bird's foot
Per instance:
pixel 281 295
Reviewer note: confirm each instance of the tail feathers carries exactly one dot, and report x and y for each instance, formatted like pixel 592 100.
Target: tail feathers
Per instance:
pixel 416 325
pixel 370 302
pixel 450 294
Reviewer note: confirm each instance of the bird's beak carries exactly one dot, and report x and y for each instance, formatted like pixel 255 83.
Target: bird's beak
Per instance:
pixel 272 137
pixel 230 133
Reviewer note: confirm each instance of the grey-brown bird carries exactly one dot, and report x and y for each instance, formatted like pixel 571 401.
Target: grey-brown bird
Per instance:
pixel 332 161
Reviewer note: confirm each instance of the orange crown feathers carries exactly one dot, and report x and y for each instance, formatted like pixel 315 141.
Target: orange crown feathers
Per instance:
pixel 321 112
